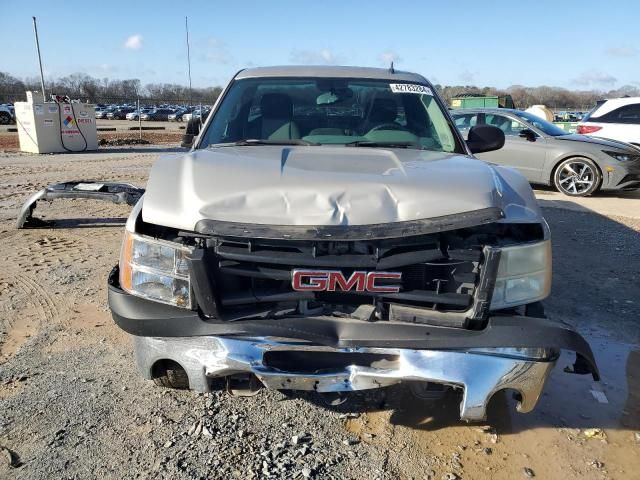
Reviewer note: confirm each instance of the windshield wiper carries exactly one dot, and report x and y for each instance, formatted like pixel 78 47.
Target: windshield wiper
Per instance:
pixel 370 143
pixel 258 141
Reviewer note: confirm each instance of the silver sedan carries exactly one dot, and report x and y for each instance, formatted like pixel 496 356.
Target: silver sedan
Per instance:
pixel 576 165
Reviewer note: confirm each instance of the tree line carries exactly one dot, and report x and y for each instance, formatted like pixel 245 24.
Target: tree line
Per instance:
pixel 95 90
pixel 86 88
pixel 556 98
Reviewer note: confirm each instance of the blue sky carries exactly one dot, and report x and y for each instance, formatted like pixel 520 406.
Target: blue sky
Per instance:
pixel 575 44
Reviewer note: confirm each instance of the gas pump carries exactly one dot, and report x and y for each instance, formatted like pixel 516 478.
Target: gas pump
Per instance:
pixel 56 126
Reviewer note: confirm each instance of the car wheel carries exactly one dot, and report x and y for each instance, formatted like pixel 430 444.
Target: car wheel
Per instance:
pixel 5 118
pixel 577 177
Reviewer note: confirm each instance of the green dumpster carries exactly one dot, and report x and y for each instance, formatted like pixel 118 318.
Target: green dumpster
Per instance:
pixel 478 101
pixel 569 127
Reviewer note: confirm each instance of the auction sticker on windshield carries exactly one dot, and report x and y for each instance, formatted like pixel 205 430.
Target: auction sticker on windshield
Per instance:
pixel 410 88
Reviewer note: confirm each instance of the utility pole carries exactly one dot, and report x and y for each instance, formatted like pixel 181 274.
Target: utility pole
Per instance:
pixel 35 29
pixel 139 120
pixel 186 27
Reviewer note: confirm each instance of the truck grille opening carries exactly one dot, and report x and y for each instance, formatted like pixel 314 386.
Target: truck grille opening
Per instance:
pixel 446 277
pixel 318 362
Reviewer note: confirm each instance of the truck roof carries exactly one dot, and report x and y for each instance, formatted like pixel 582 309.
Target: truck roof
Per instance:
pixel 331 71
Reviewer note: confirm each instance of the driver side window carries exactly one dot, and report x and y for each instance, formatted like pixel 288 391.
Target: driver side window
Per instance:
pixel 466 121
pixel 509 126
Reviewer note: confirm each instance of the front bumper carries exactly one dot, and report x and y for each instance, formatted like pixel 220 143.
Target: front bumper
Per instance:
pixel 401 352
pixel 621 176
pixel 478 375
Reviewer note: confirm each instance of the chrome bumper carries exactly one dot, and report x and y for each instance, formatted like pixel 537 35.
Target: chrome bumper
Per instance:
pixel 479 375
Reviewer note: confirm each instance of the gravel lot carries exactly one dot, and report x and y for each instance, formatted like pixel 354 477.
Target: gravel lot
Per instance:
pixel 73 406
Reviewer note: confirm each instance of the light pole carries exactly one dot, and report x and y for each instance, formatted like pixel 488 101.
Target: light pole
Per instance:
pixel 35 30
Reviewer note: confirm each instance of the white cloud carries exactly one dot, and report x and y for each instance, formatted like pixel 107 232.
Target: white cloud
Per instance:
pixel 594 78
pixel 217 51
pixel 315 57
pixel 385 58
pixel 107 68
pixel 134 42
pixel 466 76
pixel 623 51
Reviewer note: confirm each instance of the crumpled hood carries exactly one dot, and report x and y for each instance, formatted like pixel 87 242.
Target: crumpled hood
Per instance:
pixel 321 185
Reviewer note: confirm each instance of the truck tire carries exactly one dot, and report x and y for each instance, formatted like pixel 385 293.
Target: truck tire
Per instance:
pixel 170 374
pixel 577 177
pixel 5 118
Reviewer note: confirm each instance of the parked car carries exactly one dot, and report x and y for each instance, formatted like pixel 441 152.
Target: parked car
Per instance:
pixel 616 118
pixel 179 114
pixel 161 114
pixel 119 113
pixel 136 113
pixel 7 114
pixel 102 114
pixel 576 165
pixel 197 114
pixel 340 251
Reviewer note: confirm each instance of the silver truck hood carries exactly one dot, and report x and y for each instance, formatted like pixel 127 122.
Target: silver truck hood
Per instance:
pixel 325 185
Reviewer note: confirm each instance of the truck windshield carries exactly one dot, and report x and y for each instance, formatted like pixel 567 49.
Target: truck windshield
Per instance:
pixel 331 111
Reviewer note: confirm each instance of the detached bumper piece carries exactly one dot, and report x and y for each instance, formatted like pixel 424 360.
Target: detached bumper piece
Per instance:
pixel 331 354
pixel 107 191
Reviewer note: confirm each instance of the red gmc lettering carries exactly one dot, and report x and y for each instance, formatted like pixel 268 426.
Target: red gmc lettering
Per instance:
pixel 373 276
pixel 317 280
pixel 357 279
pixel 331 281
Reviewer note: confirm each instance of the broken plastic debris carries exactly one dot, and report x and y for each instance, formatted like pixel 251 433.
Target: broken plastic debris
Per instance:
pixel 595 433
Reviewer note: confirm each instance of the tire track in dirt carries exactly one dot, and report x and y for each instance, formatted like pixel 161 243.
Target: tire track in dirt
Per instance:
pixel 45 303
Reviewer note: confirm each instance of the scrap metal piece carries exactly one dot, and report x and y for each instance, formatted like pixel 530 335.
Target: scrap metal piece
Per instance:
pixel 109 191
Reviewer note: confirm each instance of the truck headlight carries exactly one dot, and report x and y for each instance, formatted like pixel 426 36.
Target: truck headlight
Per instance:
pixel 156 270
pixel 524 275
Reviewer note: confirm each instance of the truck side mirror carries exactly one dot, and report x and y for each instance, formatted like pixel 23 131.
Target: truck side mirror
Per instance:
pixel 485 138
pixel 187 140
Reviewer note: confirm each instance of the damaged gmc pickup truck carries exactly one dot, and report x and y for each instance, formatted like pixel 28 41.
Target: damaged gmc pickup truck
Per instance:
pixel 330 230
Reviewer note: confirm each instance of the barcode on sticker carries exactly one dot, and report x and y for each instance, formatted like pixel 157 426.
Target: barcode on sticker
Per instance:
pixel 410 88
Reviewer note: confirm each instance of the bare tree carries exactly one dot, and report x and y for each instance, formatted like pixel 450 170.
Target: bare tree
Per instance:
pixel 86 88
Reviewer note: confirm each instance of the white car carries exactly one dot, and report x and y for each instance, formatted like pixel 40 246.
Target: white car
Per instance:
pixel 616 118
pixel 134 115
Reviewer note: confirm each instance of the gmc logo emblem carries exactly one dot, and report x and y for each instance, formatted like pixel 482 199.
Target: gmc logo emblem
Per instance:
pixel 334 280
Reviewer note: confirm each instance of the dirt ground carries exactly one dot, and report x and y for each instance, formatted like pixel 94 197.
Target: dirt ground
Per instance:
pixel 9 141
pixel 73 406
